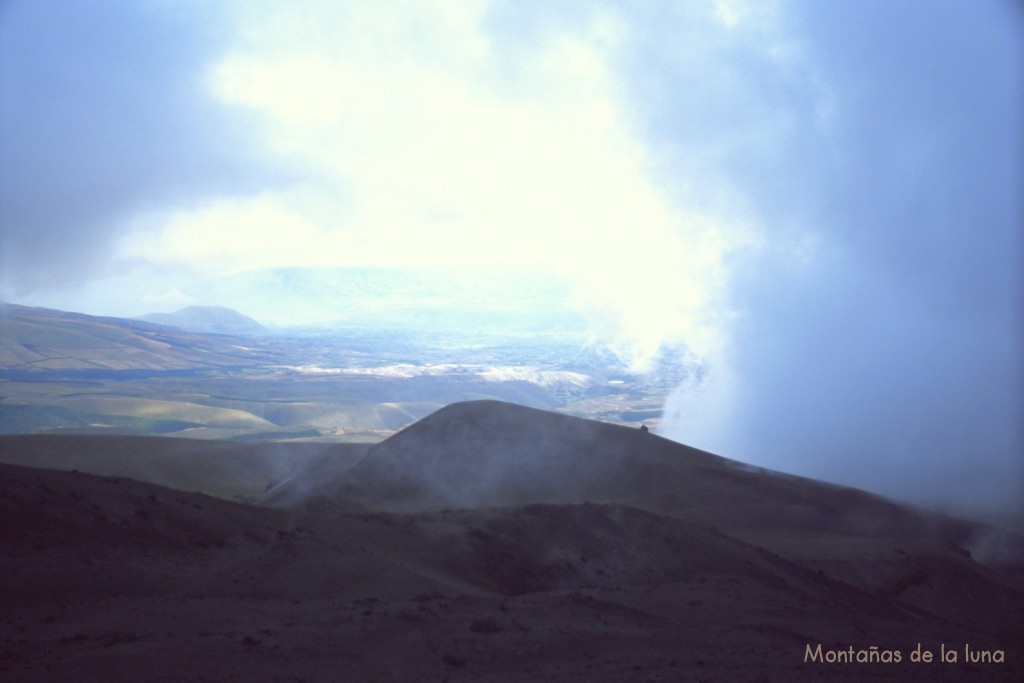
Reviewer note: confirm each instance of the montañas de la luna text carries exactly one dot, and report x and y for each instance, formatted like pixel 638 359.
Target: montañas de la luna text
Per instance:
pixel 876 655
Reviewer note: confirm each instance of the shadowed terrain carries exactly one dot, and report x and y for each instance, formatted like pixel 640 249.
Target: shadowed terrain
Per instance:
pixel 223 469
pixel 494 542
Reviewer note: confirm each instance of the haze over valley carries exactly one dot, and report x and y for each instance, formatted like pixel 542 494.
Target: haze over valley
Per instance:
pixel 71 373
pixel 817 205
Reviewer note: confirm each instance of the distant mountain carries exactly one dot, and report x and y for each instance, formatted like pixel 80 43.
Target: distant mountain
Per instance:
pixel 41 339
pixel 431 299
pixel 208 320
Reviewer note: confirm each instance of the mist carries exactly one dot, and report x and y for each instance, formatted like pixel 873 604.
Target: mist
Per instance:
pixel 878 332
pixel 819 204
pixel 105 124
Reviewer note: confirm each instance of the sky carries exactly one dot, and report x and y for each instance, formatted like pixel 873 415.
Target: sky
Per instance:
pixel 821 201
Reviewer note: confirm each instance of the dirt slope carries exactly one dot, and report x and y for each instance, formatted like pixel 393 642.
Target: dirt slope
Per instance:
pixel 113 579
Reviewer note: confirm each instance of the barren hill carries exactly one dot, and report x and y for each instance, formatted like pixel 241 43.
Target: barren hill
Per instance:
pixel 630 559
pixel 38 339
pixel 493 454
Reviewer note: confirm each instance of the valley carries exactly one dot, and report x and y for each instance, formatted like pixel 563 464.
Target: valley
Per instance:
pixel 70 373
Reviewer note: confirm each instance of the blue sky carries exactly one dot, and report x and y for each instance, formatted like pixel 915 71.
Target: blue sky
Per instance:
pixel 822 200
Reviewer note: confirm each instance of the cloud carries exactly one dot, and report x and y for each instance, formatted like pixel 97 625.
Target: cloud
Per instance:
pixel 821 201
pixel 221 138
pixel 102 116
pixel 878 332
pixel 437 142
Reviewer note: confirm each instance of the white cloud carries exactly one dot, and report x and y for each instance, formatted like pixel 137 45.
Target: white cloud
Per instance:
pixel 231 235
pixel 422 150
pixel 630 148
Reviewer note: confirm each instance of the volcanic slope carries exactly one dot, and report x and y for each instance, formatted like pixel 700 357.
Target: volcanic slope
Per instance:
pixel 495 454
pixel 627 561
pixel 490 454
